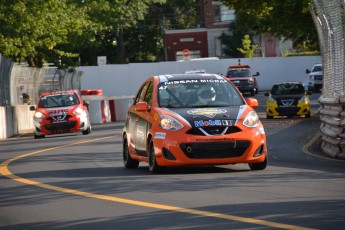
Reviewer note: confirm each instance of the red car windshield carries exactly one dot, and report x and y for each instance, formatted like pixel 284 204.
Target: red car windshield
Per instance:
pixel 58 100
pixel 239 73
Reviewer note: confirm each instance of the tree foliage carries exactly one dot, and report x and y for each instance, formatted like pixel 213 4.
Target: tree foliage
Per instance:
pixel 289 19
pixel 248 49
pixel 40 31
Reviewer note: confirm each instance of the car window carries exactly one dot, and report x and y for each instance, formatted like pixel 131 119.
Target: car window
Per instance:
pixel 198 93
pixel 239 73
pixel 148 95
pixel 58 100
pixel 287 89
pixel 317 68
pixel 141 93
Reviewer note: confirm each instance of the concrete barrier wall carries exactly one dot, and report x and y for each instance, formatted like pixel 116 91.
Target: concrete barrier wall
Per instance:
pixel 125 79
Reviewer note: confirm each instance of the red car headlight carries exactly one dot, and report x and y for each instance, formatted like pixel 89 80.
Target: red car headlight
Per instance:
pixel 38 115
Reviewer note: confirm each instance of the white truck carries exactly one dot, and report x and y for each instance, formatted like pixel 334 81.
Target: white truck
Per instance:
pixel 315 80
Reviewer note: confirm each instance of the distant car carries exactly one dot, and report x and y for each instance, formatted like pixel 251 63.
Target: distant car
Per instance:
pixel 60 112
pixel 315 80
pixel 288 99
pixel 243 78
pixel 195 71
pixel 192 119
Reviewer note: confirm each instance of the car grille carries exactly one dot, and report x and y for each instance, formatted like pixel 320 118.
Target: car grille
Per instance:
pixel 214 130
pixel 288 110
pixel 287 102
pixel 214 150
pixel 60 126
pixel 318 77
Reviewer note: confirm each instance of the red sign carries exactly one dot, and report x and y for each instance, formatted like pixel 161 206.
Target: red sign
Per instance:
pixel 185 53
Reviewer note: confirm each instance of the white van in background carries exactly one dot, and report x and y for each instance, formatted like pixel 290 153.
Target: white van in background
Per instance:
pixel 315 80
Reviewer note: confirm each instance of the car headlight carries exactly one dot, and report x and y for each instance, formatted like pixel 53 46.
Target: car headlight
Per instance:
pixel 251 120
pixel 170 123
pixel 271 100
pixel 78 111
pixel 38 115
pixel 304 99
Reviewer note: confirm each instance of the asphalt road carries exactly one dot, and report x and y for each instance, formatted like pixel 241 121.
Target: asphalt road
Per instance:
pixel 79 182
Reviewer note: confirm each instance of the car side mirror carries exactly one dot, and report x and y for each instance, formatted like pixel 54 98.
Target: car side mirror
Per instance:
pixel 32 108
pixel 142 106
pixel 257 74
pixel 86 103
pixel 252 102
pixel 307 71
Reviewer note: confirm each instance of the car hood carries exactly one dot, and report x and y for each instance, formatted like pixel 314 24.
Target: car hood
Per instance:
pixel 57 111
pixel 292 96
pixel 239 78
pixel 213 116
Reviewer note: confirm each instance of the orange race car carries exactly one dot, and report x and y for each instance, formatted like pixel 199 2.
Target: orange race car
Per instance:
pixel 192 119
pixel 60 112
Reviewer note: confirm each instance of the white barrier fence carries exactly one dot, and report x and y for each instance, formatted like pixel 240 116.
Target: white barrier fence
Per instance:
pixel 19 119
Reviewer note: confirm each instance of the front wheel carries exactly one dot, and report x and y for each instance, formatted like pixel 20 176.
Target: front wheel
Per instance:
pixel 258 166
pixel 153 165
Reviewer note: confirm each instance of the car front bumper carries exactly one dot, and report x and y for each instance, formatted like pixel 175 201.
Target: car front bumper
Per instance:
pixel 175 150
pixel 301 109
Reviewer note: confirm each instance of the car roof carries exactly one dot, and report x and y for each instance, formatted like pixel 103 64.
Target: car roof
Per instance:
pixel 194 76
pixel 239 67
pixel 57 92
pixel 195 71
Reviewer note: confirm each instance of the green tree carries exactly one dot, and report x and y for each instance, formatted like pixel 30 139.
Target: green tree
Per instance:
pixel 290 19
pixel 36 31
pixel 248 49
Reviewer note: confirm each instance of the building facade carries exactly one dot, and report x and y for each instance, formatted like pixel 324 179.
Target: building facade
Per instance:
pixel 204 40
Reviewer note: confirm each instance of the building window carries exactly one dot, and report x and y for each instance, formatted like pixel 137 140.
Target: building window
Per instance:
pixel 222 13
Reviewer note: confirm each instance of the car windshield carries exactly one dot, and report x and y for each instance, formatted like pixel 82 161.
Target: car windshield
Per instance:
pixel 239 73
pixel 287 89
pixel 198 93
pixel 317 68
pixel 58 100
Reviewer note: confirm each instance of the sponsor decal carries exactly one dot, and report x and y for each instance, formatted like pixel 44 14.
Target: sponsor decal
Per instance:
pixel 58 114
pixel 156 117
pixel 203 123
pixel 140 134
pixel 159 135
pixel 207 112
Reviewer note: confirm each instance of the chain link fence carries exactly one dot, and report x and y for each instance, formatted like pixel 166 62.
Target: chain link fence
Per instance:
pixel 329 19
pixel 22 85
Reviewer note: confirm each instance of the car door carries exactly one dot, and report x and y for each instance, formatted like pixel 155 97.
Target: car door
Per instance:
pixel 133 117
pixel 142 122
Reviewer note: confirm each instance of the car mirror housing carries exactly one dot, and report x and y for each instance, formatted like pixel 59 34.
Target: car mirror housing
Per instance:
pixel 252 102
pixel 142 106
pixel 32 108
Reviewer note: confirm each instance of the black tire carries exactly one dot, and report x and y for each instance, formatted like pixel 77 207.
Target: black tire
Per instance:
pixel 252 93
pixel 307 115
pixel 128 162
pixel 153 165
pixel 258 166
pixel 269 117
pixel 38 136
pixel 87 131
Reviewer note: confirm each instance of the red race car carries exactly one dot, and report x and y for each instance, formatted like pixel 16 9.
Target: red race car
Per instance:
pixel 60 112
pixel 192 119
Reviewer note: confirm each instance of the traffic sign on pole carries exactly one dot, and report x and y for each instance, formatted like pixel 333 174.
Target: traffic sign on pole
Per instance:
pixel 186 53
